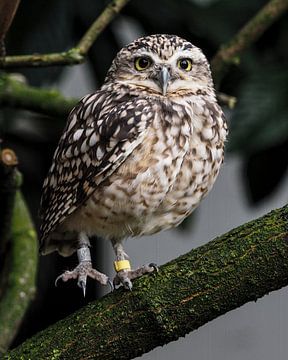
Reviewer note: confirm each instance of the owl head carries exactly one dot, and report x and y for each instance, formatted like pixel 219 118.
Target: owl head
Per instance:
pixel 162 65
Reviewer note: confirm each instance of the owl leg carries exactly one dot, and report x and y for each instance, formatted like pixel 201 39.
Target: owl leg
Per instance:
pixel 84 268
pixel 122 267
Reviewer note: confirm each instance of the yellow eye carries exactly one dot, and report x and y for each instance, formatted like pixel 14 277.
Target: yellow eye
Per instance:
pixel 184 64
pixel 142 63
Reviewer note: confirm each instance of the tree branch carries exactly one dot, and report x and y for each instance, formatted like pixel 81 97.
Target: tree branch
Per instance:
pixel 226 100
pixel 19 269
pixel 99 25
pixel 75 55
pixel 229 53
pixel 20 288
pixel 8 187
pixel 18 94
pixel 240 266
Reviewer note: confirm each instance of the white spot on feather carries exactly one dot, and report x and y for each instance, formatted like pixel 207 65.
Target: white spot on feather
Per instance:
pixel 72 122
pixel 84 147
pixel 93 139
pixel 77 134
pixel 99 153
pixel 93 97
pixel 116 132
pixel 207 133
pixel 68 152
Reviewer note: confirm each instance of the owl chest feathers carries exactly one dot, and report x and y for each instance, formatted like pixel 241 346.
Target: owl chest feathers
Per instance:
pixel 164 178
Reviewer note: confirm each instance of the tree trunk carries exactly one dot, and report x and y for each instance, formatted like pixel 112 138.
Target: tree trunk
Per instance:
pixel 240 266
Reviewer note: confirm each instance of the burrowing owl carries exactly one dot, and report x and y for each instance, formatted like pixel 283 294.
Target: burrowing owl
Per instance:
pixel 136 157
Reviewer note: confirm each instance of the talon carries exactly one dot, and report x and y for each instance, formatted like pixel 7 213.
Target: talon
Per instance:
pixel 81 272
pixel 57 279
pixel 154 266
pixel 112 287
pixel 127 284
pixel 116 282
pixel 82 284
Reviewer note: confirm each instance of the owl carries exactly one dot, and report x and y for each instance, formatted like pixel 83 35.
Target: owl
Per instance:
pixel 136 157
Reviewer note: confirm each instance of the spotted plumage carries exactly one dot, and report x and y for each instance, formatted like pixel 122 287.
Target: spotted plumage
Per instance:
pixel 137 156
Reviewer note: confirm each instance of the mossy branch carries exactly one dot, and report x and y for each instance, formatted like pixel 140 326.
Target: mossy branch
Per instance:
pixel 18 267
pixel 17 94
pixel 229 53
pixel 8 187
pixel 240 266
pixel 22 266
pixel 75 55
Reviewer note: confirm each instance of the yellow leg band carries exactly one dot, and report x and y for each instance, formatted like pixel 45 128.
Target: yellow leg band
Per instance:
pixel 122 265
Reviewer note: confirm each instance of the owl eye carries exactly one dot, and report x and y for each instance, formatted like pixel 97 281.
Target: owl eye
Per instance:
pixel 142 63
pixel 184 64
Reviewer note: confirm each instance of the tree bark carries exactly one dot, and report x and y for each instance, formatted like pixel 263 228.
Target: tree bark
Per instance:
pixel 239 266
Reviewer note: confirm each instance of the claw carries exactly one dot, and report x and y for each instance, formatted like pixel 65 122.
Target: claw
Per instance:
pixel 124 277
pixel 112 287
pixel 116 282
pixel 154 266
pixel 57 279
pixel 82 284
pixel 127 284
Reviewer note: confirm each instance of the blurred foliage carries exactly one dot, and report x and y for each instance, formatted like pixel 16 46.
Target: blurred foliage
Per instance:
pixel 260 119
pixel 258 125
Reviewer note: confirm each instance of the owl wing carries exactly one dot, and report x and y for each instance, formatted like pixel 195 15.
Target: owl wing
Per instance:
pixel 99 135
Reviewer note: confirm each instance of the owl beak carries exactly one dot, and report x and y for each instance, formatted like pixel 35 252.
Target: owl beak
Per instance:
pixel 163 78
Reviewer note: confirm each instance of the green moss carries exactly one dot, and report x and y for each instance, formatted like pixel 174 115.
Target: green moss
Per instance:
pixel 238 267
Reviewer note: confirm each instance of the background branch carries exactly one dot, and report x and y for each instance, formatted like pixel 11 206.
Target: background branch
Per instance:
pixel 75 55
pixel 226 100
pixel 18 271
pixel 240 266
pixel 17 94
pixel 8 187
pixel 229 53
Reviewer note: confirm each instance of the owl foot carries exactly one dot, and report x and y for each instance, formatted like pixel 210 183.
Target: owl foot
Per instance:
pixel 84 269
pixel 81 272
pixel 125 276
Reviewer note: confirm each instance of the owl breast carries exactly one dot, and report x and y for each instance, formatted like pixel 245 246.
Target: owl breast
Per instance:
pixel 163 180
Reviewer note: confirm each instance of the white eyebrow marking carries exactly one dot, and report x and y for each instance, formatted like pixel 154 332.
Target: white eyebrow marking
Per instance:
pixel 195 54
pixel 151 55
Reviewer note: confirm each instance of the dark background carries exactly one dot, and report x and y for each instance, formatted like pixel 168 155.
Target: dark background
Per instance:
pixel 258 124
